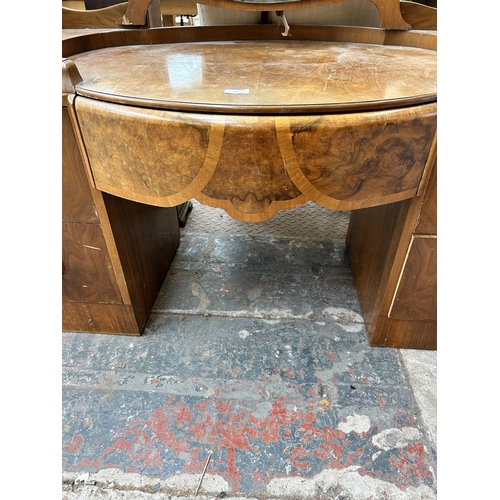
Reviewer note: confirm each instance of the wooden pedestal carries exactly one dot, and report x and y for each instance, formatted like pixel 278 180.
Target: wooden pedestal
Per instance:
pixel 115 252
pixel 393 253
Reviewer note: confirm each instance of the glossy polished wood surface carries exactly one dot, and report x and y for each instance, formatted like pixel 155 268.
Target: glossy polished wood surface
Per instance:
pixel 236 124
pixel 369 148
pixel 260 76
pixel 253 166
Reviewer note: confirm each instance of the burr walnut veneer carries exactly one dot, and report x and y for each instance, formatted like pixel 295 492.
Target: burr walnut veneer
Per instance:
pixel 241 118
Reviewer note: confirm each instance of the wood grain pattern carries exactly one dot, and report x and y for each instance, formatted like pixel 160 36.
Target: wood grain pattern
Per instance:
pixel 260 77
pixel 402 334
pixel 427 221
pixel 70 77
pixel 390 15
pixel 88 272
pixel 77 201
pixel 77 42
pixel 100 294
pixel 420 17
pixel 150 156
pixel 146 239
pixel 372 244
pixel 254 166
pixel 416 295
pixel 361 159
pixel 177 7
pixel 141 13
pixel 378 244
pixel 250 178
pixel 74 4
pixel 99 318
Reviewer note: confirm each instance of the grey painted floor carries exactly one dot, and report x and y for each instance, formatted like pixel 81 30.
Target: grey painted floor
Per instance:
pixel 308 222
pixel 253 379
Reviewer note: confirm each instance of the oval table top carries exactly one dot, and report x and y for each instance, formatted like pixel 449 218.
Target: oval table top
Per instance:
pixel 260 76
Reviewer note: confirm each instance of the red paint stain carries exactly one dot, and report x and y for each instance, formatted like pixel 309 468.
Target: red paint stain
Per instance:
pixel 229 290
pixel 332 356
pixel 312 392
pixel 299 452
pixel 136 444
pixel 87 464
pixel 407 467
pixel 289 373
pixel 202 428
pixel 196 463
pixel 259 479
pixel 382 401
pixel 182 415
pixel 331 446
pixel 410 465
pixel 73 445
pixel 352 456
pixel 232 430
pixel 236 430
pixel 163 427
pixel 121 445
pixel 138 448
pixel 223 426
pixel 278 417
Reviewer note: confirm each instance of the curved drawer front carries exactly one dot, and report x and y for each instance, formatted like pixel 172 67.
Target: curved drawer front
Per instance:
pixel 362 159
pixel 253 166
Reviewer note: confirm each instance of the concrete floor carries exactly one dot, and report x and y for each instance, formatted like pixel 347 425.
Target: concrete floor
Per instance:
pixel 253 379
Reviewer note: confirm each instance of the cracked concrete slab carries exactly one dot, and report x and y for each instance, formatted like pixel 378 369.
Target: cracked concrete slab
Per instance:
pixel 420 368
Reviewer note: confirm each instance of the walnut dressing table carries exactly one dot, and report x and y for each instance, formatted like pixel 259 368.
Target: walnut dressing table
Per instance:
pixel 254 119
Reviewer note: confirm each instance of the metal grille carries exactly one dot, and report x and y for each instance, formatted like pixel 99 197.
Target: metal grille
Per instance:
pixel 309 221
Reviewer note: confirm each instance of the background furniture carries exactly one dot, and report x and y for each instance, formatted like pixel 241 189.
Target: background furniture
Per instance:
pixel 170 9
pixel 347 13
pixel 107 13
pixel 105 17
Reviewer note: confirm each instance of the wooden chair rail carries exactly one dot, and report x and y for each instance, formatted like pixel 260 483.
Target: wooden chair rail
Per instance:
pixel 93 41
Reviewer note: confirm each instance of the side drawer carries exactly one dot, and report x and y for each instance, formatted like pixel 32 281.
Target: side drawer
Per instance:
pixel 416 297
pixel 87 271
